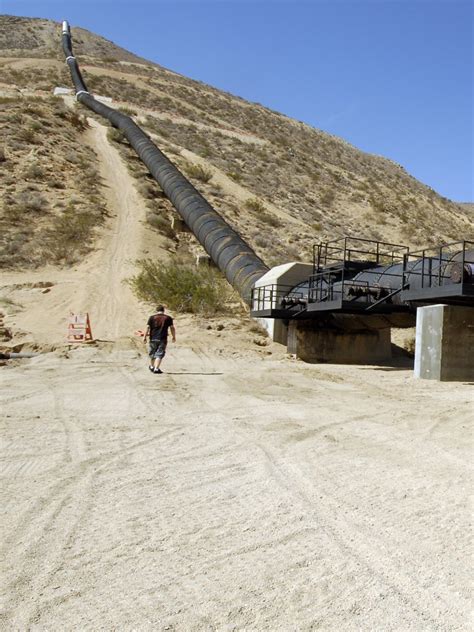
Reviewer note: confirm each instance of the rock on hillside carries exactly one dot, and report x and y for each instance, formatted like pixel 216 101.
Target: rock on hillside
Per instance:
pixel 281 183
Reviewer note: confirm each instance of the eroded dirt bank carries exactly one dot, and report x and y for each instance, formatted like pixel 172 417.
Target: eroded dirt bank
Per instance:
pixel 234 492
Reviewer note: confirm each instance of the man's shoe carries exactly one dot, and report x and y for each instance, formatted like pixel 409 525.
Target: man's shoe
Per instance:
pixel 157 371
pixel 151 369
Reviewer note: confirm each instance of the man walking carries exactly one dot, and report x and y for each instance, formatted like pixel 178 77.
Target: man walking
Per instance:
pixel 157 329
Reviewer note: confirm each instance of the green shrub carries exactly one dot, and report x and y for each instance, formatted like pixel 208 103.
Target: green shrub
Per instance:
pixel 235 176
pixel 180 287
pixel 254 204
pixel 115 135
pixel 71 233
pixel 127 110
pixel 36 126
pixel 198 172
pixel 34 171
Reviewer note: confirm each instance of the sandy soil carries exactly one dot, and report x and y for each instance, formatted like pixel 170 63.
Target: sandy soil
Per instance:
pixel 232 493
pixel 241 490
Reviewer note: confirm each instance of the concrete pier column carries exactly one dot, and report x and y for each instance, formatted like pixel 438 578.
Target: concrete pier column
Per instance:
pixel 319 345
pixel 444 348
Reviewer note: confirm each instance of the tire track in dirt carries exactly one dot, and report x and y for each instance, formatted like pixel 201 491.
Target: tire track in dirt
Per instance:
pixel 366 552
pixel 53 520
pixel 362 547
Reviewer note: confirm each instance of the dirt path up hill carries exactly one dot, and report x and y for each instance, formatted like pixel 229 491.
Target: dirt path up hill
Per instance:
pixel 96 285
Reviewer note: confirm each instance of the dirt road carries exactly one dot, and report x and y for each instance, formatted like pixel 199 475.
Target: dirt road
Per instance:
pixel 97 283
pixel 232 494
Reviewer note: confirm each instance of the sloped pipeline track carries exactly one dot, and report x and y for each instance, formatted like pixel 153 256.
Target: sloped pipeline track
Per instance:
pixel 233 256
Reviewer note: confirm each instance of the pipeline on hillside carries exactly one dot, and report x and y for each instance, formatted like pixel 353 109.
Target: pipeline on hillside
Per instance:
pixel 232 255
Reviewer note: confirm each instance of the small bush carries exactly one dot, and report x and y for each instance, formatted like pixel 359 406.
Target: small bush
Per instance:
pixel 57 184
pixel 205 152
pixel 115 135
pixel 256 328
pixel 327 197
pixel 36 126
pixel 29 202
pixel 199 172
pixel 254 204
pixel 180 287
pixel 160 223
pixel 34 172
pixel 235 176
pixel 127 110
pixel 147 190
pixel 70 233
pixel 271 220
pixel 78 121
pixel 262 242
pixel 28 135
pixel 2 155
pixel 72 157
pixel 410 344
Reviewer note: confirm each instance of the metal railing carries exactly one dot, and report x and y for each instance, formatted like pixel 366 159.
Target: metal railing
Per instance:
pixel 442 265
pixel 271 297
pixel 336 263
pixel 355 249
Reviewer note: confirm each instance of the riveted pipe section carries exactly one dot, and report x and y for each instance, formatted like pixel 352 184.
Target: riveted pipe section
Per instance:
pixel 232 255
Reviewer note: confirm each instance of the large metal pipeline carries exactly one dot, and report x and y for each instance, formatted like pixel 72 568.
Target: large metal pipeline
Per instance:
pixel 232 255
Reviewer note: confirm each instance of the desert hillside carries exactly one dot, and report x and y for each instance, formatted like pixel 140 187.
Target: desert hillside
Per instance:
pixel 281 183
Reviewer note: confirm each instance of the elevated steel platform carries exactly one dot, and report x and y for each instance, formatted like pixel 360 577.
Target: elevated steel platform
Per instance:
pixel 365 277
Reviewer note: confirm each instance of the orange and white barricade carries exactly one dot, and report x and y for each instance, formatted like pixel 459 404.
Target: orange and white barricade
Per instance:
pixel 79 328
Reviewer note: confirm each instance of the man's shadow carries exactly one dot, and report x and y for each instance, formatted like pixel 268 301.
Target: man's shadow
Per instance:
pixel 188 373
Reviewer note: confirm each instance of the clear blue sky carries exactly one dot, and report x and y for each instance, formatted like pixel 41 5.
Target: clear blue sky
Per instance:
pixel 393 77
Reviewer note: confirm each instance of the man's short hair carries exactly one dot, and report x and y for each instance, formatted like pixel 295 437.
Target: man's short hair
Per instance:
pixel 160 308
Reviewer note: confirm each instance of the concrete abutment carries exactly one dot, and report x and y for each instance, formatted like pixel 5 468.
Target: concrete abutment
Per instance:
pixel 320 345
pixel 444 348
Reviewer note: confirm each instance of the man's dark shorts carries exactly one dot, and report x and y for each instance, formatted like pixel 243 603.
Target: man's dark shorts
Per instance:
pixel 157 349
